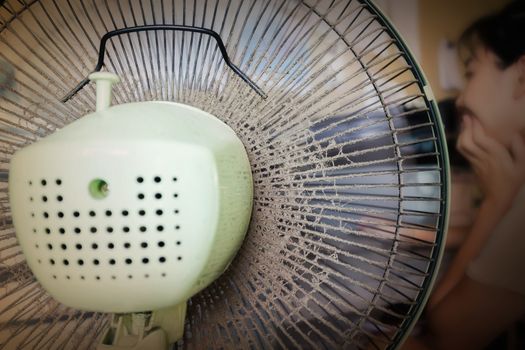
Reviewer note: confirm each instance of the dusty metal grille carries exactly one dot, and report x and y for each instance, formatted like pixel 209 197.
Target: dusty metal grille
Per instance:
pixel 347 158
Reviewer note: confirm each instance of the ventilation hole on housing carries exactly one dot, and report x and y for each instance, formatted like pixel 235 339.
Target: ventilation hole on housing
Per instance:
pixel 37 246
pixel 178 242
pixel 142 228
pixel 112 261
pixel 60 214
pixel 30 183
pixel 145 260
pixel 39 261
pixel 94 246
pixel 140 195
pixel 60 198
pixel 80 262
pixel 62 230
pixel 31 199
pixel 96 262
pixel 76 214
pixel 66 262
pixel 92 213
pixel 127 245
pixel 177 227
pixel 52 262
pixel 130 276
pixel 78 246
pixel 93 230
pixel 146 276
pixel 158 212
pixel 129 261
pixel 144 245
pixel 176 211
pixel 43 182
pixel 176 195
pixel 142 212
pixel 157 179
pixel 50 246
pixel 98 278
pixel 98 188
pixel 54 276
pixel 174 179
pixel 82 277
pixel 58 182
pixel 48 231
pixel 162 259
pixel 140 180
pixel 32 215
pixel 63 246
pixel 179 258
pixel 163 274
pixel 34 230
pixel 111 245
pixel 158 195
pixel 160 228
pixel 125 213
pixel 46 215
pixel 68 277
pixel 161 244
pixel 108 213
pixel 77 230
pixel 125 229
pixel 109 229
pixel 113 277
pixel 44 198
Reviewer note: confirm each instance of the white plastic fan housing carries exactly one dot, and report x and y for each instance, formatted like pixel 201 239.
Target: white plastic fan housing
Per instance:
pixel 134 207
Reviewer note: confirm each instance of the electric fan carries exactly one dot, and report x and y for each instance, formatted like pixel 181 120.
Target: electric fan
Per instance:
pixel 268 174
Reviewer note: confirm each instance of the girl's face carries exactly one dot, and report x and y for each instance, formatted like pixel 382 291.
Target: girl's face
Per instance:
pixel 494 95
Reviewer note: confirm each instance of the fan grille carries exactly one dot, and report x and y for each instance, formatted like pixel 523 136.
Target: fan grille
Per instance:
pixel 347 153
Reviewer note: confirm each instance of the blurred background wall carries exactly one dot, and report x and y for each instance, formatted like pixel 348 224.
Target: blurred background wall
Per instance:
pixel 427 24
pixel 445 20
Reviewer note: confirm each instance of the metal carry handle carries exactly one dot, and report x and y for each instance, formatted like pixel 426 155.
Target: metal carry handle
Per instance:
pixel 108 35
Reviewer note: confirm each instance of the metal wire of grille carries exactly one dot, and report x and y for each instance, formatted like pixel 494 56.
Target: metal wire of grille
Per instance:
pixel 347 157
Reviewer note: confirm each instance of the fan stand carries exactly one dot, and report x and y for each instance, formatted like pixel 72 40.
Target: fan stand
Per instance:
pixel 145 330
pixel 133 331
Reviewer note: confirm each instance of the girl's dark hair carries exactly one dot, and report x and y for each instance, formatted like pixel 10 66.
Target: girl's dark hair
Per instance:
pixel 503 33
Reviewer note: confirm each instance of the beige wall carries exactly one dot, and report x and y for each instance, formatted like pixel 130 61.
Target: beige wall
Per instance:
pixel 446 19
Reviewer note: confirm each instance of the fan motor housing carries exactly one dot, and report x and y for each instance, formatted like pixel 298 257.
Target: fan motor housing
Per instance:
pixel 132 208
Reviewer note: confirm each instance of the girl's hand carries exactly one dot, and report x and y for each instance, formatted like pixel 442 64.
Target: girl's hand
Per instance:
pixel 500 171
